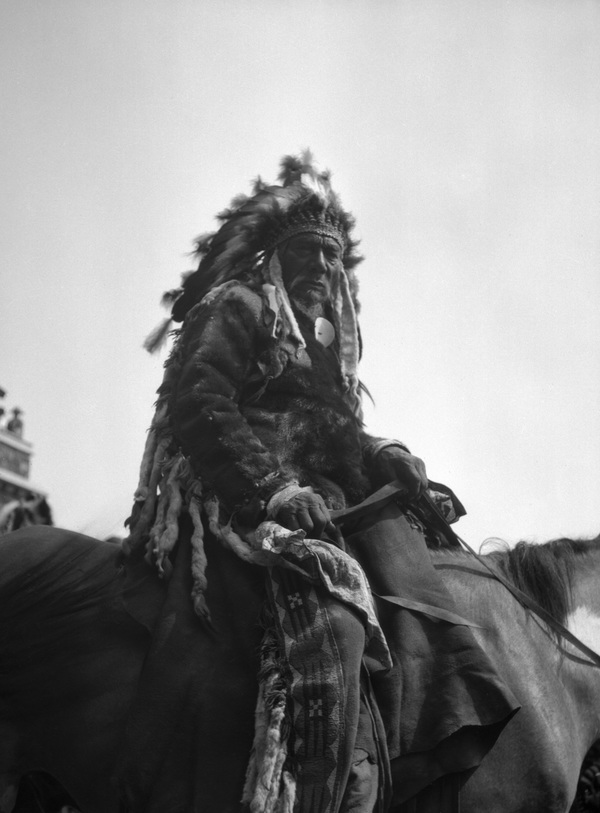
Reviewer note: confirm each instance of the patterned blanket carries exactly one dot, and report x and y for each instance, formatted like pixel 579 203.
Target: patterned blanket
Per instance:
pixel 315 684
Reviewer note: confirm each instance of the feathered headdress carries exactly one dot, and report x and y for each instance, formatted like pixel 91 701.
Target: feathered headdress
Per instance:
pixel 253 226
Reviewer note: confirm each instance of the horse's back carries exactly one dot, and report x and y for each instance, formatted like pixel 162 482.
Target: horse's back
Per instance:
pixel 70 659
pixel 37 547
pixel 100 657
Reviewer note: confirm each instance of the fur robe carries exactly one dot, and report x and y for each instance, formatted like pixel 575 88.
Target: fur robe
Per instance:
pixel 255 414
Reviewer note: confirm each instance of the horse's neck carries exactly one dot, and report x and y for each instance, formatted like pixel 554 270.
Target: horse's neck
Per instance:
pixel 522 646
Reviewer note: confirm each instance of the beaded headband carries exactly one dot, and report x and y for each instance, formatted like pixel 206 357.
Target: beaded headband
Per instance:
pixel 308 226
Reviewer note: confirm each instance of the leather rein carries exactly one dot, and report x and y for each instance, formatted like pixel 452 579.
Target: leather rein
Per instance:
pixel 436 518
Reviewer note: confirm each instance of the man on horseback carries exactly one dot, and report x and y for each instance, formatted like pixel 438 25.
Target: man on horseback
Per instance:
pixel 258 433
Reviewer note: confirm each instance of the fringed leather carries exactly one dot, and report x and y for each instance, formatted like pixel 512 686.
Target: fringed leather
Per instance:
pixel 199 562
pixel 270 787
pixel 165 531
pixel 225 533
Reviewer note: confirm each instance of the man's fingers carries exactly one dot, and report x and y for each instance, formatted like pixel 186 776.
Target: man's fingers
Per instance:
pixel 286 516
pixel 305 512
pixel 305 520
pixel 319 522
pixel 422 472
pixel 413 489
pixel 413 485
pixel 296 519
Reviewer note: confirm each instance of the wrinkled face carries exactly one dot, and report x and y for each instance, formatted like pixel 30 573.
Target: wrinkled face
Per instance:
pixel 309 263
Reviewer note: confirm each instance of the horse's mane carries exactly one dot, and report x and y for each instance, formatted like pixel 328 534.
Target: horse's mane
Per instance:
pixel 545 572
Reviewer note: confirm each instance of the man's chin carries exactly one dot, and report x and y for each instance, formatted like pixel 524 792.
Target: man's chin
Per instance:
pixel 310 306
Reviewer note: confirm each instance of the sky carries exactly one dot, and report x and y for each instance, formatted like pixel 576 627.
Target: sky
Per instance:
pixel 462 134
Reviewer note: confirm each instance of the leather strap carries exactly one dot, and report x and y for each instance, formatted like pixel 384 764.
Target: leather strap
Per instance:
pixel 429 609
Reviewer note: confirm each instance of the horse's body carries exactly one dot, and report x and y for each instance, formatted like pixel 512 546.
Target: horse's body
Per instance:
pixel 535 764
pixel 79 630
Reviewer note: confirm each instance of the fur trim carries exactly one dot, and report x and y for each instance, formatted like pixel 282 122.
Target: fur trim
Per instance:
pixel 269 785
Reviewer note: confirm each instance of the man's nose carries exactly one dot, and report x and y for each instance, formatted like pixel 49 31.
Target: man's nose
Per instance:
pixel 319 262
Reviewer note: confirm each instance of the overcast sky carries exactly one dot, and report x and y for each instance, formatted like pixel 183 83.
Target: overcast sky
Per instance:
pixel 462 134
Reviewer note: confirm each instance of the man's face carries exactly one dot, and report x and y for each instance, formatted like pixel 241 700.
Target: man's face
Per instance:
pixel 309 263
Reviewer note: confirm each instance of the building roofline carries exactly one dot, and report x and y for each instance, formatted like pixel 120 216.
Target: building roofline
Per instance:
pixel 17 443
pixel 16 480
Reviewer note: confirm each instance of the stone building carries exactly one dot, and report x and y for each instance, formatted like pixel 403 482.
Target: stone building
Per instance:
pixel 15 459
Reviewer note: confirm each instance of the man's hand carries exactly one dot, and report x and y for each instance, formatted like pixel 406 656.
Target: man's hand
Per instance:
pixel 393 463
pixel 306 511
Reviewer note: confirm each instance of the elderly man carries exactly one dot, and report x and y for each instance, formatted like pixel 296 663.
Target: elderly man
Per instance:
pixel 260 414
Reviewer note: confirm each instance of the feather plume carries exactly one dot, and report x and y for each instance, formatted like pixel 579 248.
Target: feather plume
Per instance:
pixel 202 243
pixel 169 297
pixel 157 338
pixel 293 167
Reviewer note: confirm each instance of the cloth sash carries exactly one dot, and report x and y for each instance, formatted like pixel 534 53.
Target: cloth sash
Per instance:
pixel 324 684
pixel 324 620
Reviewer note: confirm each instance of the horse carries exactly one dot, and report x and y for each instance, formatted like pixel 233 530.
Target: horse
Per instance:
pixel 536 762
pixel 80 623
pixel 18 513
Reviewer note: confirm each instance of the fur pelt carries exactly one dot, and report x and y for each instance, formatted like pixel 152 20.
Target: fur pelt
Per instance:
pixel 254 415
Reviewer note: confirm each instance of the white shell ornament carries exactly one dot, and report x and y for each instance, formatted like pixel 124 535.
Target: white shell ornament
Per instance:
pixel 324 331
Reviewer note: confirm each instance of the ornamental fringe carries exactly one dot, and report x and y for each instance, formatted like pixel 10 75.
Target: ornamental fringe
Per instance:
pixel 166 487
pixel 270 787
